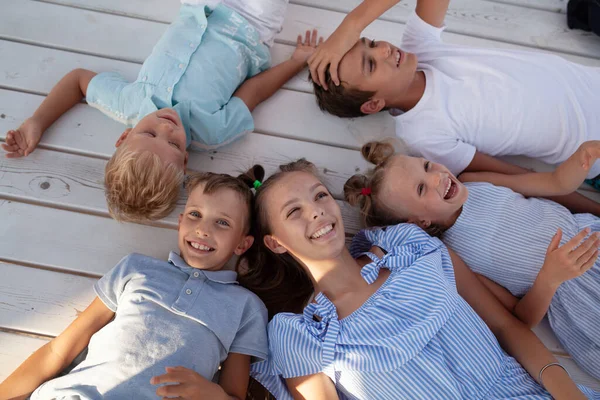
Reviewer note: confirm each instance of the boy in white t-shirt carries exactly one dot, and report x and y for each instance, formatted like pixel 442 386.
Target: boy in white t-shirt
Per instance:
pixel 457 105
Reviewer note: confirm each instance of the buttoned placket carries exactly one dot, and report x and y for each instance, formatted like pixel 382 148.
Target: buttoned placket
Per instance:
pixel 189 292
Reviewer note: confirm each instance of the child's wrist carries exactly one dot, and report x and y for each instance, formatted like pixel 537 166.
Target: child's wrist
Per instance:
pixel 545 281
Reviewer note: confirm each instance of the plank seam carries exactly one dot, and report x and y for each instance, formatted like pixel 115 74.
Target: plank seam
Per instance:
pixel 49 268
pixel 26 333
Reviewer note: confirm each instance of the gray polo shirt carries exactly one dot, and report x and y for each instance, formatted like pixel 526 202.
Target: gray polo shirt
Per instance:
pixel 167 314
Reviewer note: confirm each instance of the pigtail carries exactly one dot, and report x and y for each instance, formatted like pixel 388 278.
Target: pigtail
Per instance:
pixel 255 174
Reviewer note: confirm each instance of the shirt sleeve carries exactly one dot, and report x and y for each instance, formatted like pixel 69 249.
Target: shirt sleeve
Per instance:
pixel 212 129
pixel 112 285
pixel 251 338
pixel 444 149
pixel 104 92
pixel 419 33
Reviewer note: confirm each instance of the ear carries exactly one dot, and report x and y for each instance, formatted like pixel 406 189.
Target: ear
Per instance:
pixel 123 136
pixel 179 223
pixel 372 106
pixel 185 161
pixel 421 223
pixel 244 245
pixel 273 245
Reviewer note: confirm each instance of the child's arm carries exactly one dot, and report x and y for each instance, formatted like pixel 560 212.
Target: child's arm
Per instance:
pixel 504 296
pixel 347 34
pixel 312 387
pixel 518 340
pixel 56 355
pixel 485 168
pixel 187 384
pixel 67 93
pixel 262 86
pixel 571 260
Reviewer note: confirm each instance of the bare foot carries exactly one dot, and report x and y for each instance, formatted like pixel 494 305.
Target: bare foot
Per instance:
pixel 21 142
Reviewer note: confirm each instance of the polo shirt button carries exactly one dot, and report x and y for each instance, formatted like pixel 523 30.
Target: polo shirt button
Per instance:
pixel 169 89
pixel 145 78
pixel 188 291
pixel 181 66
pixel 192 45
pixel 196 274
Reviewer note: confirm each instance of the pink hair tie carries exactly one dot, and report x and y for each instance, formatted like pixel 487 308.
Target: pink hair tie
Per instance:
pixel 365 191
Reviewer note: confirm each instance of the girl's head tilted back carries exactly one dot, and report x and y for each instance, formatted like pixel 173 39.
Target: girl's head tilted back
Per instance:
pixel 297 222
pixel 405 189
pixel 216 221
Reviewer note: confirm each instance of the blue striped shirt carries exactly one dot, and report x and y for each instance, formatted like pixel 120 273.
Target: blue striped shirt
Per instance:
pixel 504 236
pixel 414 338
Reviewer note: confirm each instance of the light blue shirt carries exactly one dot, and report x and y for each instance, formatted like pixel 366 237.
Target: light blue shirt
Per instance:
pixel 194 68
pixel 167 314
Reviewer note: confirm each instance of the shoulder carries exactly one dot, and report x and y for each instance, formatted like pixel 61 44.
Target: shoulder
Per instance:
pixel 388 237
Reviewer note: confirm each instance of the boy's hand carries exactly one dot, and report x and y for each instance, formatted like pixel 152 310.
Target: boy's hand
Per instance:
pixel 330 54
pixel 306 48
pixel 571 260
pixel 21 142
pixel 184 383
pixel 588 153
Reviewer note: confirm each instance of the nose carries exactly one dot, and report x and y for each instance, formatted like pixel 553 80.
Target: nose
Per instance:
pixel 383 49
pixel 435 179
pixel 202 230
pixel 317 212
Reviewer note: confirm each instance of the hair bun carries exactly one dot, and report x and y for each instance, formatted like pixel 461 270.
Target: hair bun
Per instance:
pixel 377 152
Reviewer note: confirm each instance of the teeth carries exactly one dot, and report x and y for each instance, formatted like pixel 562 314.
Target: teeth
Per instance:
pixel 448 187
pixel 323 231
pixel 200 246
pixel 397 57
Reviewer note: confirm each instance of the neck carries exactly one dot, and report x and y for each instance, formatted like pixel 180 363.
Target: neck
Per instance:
pixel 337 276
pixel 409 99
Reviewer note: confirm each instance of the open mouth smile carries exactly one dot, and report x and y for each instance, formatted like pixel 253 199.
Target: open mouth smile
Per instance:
pixel 199 247
pixel 324 232
pixel 451 189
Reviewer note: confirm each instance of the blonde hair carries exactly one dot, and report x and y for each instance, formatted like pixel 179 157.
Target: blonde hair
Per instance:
pixel 140 187
pixel 372 209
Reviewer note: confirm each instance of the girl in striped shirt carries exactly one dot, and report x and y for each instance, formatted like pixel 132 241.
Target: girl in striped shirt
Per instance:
pixel 535 248
pixel 392 317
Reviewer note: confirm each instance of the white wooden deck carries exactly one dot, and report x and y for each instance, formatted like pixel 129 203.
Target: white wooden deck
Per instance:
pixel 56 237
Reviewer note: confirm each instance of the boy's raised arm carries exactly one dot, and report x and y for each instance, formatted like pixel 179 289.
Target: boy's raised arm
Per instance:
pixel 67 93
pixel 56 355
pixel 262 86
pixel 347 34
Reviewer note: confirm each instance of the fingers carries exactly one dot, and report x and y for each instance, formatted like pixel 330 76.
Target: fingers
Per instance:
pixel 313 38
pixel 312 66
pixel 321 40
pixel 590 243
pixel 321 74
pixel 554 242
pixel 307 38
pixel 299 40
pixel 576 240
pixel 170 391
pixel 333 70
pixel 591 262
pixel 174 374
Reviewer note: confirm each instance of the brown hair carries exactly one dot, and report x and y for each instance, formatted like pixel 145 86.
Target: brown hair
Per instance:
pixel 139 186
pixel 278 279
pixel 213 182
pixel 372 210
pixel 342 101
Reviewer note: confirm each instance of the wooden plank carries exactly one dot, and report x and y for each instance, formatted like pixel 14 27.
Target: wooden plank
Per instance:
pixel 557 6
pixel 44 302
pixel 14 349
pixel 75 182
pixel 504 23
pixel 37 69
pixel 74 242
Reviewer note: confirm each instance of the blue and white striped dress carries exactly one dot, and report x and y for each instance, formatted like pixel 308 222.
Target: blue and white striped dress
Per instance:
pixel 414 338
pixel 504 236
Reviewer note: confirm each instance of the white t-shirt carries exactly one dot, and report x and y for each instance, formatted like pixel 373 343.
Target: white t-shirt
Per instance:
pixel 500 102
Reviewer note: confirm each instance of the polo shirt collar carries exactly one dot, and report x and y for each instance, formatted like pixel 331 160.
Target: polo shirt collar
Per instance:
pixel 223 276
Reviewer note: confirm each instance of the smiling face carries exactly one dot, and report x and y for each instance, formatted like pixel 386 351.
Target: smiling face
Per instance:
pixel 380 67
pixel 162 133
pixel 213 228
pixel 422 192
pixel 304 219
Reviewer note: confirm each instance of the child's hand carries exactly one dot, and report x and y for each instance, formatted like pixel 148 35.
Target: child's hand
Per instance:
pixel 588 153
pixel 307 48
pixel 184 383
pixel 330 54
pixel 571 260
pixel 21 142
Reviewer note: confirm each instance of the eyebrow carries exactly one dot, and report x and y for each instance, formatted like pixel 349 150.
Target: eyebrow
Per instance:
pixel 221 213
pixel 313 187
pixel 364 60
